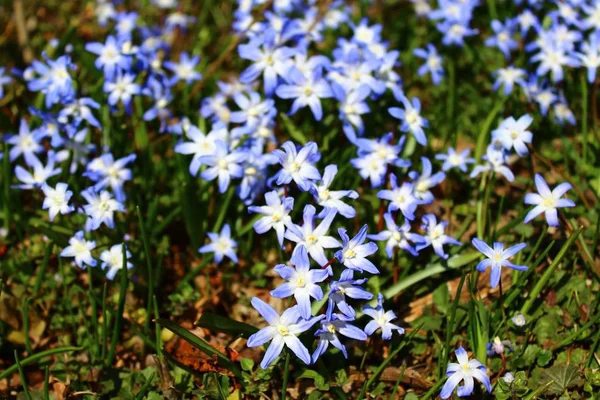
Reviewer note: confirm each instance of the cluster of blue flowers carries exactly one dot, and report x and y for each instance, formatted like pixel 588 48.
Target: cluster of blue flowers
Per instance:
pixel 287 70
pixel 567 37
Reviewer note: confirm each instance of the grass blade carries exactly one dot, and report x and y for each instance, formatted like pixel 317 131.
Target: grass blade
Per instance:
pixel 200 344
pixel 22 375
pixel 148 267
pixel 35 357
pixel 548 273
pixel 120 308
pixel 406 340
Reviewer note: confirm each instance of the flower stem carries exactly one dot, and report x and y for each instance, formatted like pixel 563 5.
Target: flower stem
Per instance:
pixel 286 373
pixel 584 116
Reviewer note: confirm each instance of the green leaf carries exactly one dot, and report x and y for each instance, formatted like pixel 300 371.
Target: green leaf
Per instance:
pixel 217 323
pixel 293 130
pixel 200 344
pixel 563 378
pixel 319 380
pixel 544 357
pixel 247 364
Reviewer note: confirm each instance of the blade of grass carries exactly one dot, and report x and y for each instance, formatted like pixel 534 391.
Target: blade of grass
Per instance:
pixel 23 378
pixel 144 388
pixel 120 309
pixel 104 322
pixel 584 115
pixel 46 383
pixel 35 357
pixel 450 325
pixel 454 262
pixel 546 275
pixel 157 329
pixel 148 270
pixel 573 336
pixel 400 376
pixel 286 374
pixel 224 207
pixel 200 344
pixel 485 128
pixel 515 291
pixel 94 333
pixel 406 340
pixel 42 271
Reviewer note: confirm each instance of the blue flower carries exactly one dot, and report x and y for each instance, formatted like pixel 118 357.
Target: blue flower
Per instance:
pixel 125 22
pixel 376 155
pixel 353 253
pixel 381 320
pixel 433 63
pixel 503 36
pixel 347 286
pixel 401 198
pixel 113 260
pixel 588 58
pixel 302 282
pixel 79 110
pixel 4 79
pixel 425 181
pixel 453 159
pixel 306 91
pixel 552 58
pixel 351 72
pixel 223 164
pixel 435 236
pixel 269 59
pixel 54 81
pixel 162 97
pixel 221 244
pixel 465 370
pixel 332 198
pixel 495 161
pixel 255 175
pixel 122 89
pixel 563 114
pixel 547 201
pixel 497 258
pixel 107 172
pixel 352 106
pixel 41 173
pixel 497 346
pixel 178 20
pixel 252 109
pixel 455 32
pixel 184 69
pixel 314 239
pixel 57 200
pixel 396 236
pixel 330 327
pixel 276 215
pixel 282 331
pixel 100 209
pixel 527 20
pixel 513 133
pixel 508 77
pixel 25 143
pixel 200 146
pixel 298 165
pixel 412 121
pixel 80 249
pixel 110 58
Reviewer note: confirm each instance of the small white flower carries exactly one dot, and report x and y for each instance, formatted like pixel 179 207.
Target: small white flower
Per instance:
pixel 113 260
pixel 57 200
